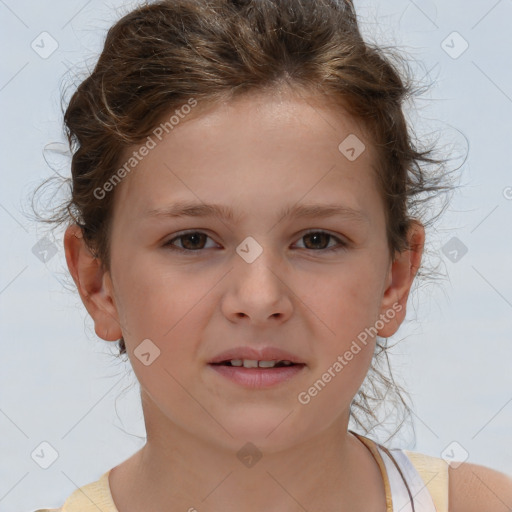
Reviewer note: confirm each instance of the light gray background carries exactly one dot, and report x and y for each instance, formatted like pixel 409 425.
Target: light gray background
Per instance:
pixel 61 385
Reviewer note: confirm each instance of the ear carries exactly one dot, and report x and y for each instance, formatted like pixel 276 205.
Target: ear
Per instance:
pixel 399 281
pixel 93 283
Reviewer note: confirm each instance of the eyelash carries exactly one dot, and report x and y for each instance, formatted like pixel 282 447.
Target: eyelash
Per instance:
pixel 341 245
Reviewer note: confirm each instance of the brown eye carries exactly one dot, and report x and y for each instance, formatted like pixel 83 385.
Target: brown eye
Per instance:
pixel 319 240
pixel 192 241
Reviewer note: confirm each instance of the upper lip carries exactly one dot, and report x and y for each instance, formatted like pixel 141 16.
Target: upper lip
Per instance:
pixel 256 354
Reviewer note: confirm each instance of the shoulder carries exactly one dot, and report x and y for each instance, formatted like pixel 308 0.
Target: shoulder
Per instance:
pixel 473 488
pixel 434 474
pixel 92 497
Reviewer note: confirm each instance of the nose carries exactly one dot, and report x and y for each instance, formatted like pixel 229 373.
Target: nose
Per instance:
pixel 257 292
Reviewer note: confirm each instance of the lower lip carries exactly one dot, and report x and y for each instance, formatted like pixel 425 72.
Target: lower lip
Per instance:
pixel 255 378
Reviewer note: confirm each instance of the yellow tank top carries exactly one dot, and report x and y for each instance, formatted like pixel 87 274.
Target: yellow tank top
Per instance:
pixel 432 470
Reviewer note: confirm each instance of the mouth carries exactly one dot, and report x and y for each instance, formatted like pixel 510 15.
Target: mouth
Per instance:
pixel 252 363
pixel 255 374
pixel 257 367
pixel 256 357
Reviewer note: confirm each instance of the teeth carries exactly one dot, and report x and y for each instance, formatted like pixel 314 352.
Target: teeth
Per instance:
pixel 251 363
pixel 267 364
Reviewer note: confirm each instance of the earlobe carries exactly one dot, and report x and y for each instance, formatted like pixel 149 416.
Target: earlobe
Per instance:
pixel 399 280
pixel 93 284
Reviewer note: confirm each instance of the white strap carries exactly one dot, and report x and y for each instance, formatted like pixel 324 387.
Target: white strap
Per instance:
pixel 401 502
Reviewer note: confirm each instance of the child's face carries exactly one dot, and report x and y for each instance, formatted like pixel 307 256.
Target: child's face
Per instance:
pixel 256 157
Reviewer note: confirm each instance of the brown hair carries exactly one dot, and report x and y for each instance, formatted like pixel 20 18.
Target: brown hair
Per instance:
pixel 159 56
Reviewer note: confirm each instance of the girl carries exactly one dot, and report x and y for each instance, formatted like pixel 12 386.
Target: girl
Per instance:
pixel 245 222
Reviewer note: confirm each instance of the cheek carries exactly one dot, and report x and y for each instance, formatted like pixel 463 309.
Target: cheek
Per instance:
pixel 168 309
pixel 345 349
pixel 171 307
pixel 346 307
pixel 156 301
pixel 346 300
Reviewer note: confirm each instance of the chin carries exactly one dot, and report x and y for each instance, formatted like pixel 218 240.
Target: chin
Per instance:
pixel 269 432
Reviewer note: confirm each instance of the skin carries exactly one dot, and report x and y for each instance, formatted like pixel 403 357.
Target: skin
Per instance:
pixel 474 488
pixel 255 155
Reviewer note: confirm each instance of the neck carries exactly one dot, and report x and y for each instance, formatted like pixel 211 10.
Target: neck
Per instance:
pixel 332 471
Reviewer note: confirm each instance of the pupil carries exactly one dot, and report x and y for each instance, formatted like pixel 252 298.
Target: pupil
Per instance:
pixel 188 237
pixel 315 236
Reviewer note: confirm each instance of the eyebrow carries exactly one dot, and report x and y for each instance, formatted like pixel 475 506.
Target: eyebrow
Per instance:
pixel 311 210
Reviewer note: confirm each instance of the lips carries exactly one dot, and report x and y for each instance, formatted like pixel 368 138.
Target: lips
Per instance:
pixel 260 354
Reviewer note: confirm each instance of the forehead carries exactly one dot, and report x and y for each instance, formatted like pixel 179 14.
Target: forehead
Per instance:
pixel 257 150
